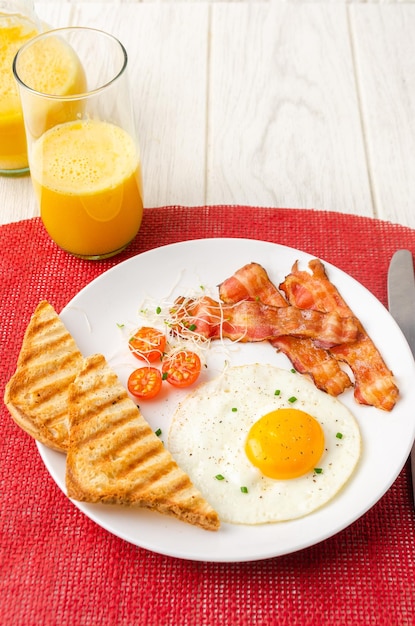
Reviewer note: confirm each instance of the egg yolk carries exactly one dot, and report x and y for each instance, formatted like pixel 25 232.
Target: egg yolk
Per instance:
pixel 285 443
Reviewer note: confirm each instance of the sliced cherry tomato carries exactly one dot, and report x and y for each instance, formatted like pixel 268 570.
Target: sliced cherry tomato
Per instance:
pixel 181 369
pixel 145 382
pixel 148 344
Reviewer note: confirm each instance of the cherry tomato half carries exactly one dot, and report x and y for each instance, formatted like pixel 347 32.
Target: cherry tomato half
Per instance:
pixel 147 344
pixel 181 369
pixel 145 382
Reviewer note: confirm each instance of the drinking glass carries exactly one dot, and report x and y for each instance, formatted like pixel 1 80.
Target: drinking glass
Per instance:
pixel 18 23
pixel 81 140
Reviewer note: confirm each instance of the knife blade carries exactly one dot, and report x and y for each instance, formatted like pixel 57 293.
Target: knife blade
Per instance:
pixel 401 301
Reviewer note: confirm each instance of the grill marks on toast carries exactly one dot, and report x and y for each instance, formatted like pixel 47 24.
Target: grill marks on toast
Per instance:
pixel 115 457
pixel 36 395
pixel 44 325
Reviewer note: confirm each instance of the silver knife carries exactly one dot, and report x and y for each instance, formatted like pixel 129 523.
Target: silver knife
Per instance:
pixel 401 300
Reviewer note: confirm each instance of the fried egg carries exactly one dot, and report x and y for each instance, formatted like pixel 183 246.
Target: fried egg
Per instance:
pixel 264 444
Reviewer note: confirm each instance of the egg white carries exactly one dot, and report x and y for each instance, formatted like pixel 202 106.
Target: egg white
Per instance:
pixel 208 433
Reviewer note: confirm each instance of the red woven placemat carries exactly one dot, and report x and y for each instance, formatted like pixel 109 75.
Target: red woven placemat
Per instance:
pixel 58 567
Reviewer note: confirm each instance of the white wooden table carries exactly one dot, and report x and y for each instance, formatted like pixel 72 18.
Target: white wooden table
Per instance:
pixel 306 105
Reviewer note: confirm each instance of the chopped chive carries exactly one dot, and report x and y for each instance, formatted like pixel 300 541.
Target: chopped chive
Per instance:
pixel 158 310
pixel 277 392
pixel 158 432
pixel 244 489
pixel 318 470
pixel 293 371
pixel 339 435
pixel 219 477
pixel 164 376
pixel 192 327
pixel 292 399
pixel 234 409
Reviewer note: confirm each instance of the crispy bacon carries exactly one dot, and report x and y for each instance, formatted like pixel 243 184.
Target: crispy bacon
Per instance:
pixel 252 282
pixel 374 382
pixel 316 362
pixel 253 321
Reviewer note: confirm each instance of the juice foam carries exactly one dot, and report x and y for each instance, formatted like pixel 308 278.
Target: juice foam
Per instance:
pixel 51 66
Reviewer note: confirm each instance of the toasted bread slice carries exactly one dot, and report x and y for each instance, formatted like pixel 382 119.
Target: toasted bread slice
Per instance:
pixel 37 393
pixel 115 457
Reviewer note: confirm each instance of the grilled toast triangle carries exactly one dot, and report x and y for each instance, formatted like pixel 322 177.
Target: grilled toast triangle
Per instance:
pixel 36 395
pixel 115 457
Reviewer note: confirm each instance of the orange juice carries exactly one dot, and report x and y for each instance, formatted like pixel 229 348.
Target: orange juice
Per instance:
pixel 62 75
pixel 51 66
pixel 13 33
pixel 87 179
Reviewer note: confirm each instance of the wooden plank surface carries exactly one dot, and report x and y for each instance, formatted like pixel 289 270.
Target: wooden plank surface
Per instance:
pixel 273 104
pixel 384 37
pixel 284 124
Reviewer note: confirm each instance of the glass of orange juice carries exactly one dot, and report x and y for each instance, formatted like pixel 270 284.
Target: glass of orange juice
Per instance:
pixel 18 23
pixel 81 140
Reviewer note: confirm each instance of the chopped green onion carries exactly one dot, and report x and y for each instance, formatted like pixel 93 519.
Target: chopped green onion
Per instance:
pixel 158 432
pixel 277 392
pixel 234 409
pixel 192 327
pixel 292 399
pixel 318 470
pixel 339 435
pixel 244 489
pixel 164 376
pixel 219 477
pixel 158 310
pixel 120 325
pixel 293 371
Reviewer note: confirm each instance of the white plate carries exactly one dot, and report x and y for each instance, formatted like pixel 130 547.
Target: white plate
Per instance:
pixel 116 297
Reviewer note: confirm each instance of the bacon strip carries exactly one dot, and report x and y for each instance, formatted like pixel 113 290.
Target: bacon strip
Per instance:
pixel 252 282
pixel 250 321
pixel 374 382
